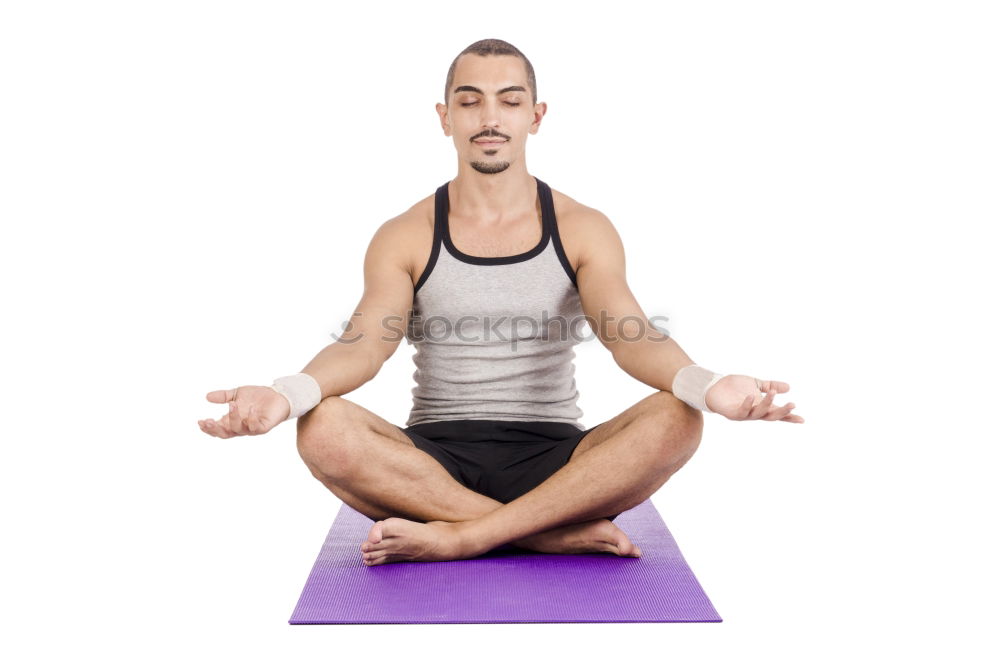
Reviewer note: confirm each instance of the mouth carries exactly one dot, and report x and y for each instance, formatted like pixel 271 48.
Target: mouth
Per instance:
pixel 488 143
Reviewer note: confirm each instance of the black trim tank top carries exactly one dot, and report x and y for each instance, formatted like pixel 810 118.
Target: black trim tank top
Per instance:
pixel 494 336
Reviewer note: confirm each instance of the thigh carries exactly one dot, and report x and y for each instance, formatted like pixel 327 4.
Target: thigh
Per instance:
pixel 461 446
pixel 517 467
pixel 451 463
pixel 652 405
pixel 336 413
pixel 499 459
pixel 537 466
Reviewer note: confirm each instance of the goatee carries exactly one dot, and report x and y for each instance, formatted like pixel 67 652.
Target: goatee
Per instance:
pixel 490 168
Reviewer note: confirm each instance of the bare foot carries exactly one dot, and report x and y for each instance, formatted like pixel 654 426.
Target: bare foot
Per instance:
pixel 397 539
pixel 596 535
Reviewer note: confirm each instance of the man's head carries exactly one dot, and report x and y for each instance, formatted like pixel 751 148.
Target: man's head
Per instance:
pixel 483 48
pixel 490 94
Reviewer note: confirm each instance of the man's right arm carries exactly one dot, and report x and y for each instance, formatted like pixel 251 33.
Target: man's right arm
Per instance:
pixel 379 321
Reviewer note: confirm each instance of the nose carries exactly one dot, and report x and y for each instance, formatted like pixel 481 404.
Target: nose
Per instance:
pixel 491 114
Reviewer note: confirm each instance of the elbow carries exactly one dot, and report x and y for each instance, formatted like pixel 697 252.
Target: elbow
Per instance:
pixel 620 352
pixel 375 364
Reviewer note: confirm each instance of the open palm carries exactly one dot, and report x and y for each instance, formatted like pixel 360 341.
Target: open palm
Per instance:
pixel 745 398
pixel 252 410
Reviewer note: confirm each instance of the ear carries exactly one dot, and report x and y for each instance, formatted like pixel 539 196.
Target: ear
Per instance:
pixel 540 109
pixel 442 111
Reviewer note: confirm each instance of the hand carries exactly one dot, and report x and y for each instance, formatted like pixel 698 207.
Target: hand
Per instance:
pixel 253 410
pixel 736 398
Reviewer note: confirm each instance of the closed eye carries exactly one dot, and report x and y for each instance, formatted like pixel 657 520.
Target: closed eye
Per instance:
pixel 473 103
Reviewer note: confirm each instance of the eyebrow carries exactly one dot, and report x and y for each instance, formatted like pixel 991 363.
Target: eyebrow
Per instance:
pixel 469 88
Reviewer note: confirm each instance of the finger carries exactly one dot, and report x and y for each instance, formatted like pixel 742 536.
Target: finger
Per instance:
pixel 229 433
pixel 235 423
pixel 215 429
pixel 207 427
pixel 792 418
pixel 779 413
pixel 781 387
pixel 220 397
pixel 744 409
pixel 226 430
pixel 251 422
pixel 764 406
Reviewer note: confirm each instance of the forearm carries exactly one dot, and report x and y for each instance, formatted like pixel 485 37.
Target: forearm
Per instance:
pixel 653 360
pixel 340 367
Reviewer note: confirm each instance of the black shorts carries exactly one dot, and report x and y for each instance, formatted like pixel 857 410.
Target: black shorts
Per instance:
pixel 499 459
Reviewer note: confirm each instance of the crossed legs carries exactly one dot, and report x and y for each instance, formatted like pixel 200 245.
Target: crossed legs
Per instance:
pixel 374 467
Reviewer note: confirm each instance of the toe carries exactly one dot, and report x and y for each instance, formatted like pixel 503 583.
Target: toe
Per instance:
pixel 390 527
pixel 375 534
pixel 377 558
pixel 625 547
pixel 629 548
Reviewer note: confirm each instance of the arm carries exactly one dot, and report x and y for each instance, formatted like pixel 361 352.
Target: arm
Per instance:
pixel 341 367
pixel 637 346
pixel 379 321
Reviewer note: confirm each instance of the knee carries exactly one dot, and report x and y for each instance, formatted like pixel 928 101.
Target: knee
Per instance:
pixel 323 436
pixel 678 424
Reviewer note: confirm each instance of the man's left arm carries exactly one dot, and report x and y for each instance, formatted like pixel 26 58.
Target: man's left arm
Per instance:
pixel 643 351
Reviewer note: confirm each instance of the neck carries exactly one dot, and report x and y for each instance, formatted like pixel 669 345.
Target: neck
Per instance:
pixel 504 195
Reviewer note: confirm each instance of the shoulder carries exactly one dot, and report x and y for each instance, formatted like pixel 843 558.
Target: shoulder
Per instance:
pixel 586 233
pixel 419 216
pixel 403 238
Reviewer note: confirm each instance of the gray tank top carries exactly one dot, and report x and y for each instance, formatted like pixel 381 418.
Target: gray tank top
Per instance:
pixel 494 336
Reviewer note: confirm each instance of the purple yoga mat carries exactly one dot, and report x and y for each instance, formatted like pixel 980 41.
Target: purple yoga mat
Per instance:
pixel 507 584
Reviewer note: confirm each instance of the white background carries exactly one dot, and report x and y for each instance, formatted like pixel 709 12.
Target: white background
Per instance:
pixel 808 190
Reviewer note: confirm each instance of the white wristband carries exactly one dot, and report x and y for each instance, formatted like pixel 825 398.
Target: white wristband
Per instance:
pixel 692 382
pixel 301 391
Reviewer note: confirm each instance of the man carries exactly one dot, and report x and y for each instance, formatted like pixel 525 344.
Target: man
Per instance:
pixel 492 452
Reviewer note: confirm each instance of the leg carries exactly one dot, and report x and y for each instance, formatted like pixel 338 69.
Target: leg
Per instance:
pixel 372 466
pixel 616 470
pixel 648 407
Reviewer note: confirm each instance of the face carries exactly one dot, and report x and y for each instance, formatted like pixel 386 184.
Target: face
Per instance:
pixel 489 113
